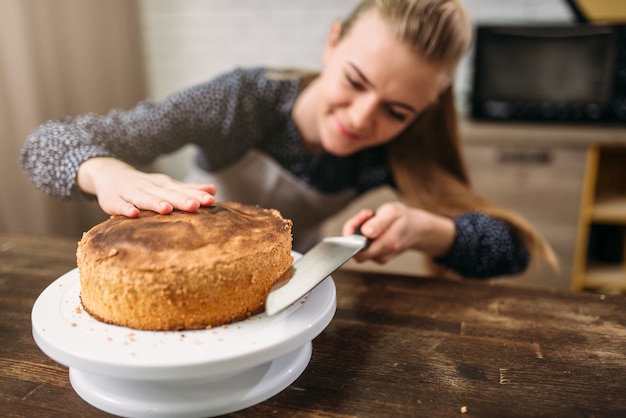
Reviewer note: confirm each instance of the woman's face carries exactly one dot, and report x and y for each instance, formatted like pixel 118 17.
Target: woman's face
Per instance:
pixel 372 87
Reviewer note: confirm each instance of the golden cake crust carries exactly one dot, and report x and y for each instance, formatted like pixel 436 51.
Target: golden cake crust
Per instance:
pixel 183 270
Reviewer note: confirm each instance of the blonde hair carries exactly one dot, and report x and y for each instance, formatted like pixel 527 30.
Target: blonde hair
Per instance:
pixel 425 159
pixel 439 30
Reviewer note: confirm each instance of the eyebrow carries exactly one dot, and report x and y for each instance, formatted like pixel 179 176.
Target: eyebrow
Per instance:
pixel 369 83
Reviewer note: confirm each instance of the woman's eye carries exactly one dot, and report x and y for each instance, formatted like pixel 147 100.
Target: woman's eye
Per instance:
pixel 354 83
pixel 401 117
pixel 396 115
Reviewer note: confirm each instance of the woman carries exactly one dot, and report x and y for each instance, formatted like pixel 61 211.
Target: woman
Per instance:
pixel 381 112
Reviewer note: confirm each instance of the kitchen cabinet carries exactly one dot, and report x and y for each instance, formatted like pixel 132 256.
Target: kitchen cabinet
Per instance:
pixel 542 183
pixel 569 181
pixel 601 247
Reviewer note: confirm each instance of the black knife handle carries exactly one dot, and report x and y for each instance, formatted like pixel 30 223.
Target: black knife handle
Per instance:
pixel 358 231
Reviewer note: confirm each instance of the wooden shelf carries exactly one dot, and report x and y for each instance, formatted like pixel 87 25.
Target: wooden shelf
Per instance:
pixel 609 277
pixel 602 224
pixel 610 210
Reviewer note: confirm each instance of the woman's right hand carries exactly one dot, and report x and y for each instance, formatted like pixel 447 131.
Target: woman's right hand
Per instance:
pixel 123 190
pixel 396 227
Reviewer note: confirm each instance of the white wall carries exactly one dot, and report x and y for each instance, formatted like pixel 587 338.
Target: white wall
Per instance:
pixel 188 41
pixel 191 40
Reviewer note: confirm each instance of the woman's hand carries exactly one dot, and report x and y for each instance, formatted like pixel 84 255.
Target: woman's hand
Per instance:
pixel 396 227
pixel 123 190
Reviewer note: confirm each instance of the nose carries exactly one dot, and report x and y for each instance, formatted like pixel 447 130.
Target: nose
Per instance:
pixel 361 112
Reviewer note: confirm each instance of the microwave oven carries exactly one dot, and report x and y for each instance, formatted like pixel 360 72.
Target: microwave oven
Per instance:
pixel 544 72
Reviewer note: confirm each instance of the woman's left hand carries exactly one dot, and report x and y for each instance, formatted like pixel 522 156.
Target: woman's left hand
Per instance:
pixel 396 227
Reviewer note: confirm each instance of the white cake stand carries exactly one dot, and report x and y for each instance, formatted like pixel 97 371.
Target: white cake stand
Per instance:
pixel 179 373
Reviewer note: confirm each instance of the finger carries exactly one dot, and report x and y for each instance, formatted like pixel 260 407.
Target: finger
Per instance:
pixel 184 196
pixel 204 193
pixel 384 259
pixel 118 206
pixel 163 198
pixel 376 256
pixel 376 225
pixel 206 199
pixel 351 225
pixel 190 199
pixel 208 188
pixel 370 253
pixel 381 250
pixel 144 200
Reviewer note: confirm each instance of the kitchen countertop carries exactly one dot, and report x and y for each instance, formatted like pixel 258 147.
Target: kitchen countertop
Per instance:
pixel 397 346
pixel 504 133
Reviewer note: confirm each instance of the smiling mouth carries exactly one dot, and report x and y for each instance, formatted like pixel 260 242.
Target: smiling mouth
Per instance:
pixel 345 132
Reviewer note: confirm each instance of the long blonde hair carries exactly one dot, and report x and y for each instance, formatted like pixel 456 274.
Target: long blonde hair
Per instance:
pixel 425 159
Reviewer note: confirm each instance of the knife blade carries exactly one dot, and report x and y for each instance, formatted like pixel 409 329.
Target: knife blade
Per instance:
pixel 313 267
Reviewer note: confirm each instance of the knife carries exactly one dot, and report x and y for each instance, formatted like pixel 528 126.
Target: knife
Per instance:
pixel 313 267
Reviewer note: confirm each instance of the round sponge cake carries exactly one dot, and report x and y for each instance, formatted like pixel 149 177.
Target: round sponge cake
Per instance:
pixel 183 270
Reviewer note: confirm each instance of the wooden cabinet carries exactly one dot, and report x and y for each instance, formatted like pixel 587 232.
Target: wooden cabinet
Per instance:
pixel 541 182
pixel 569 181
pixel 601 246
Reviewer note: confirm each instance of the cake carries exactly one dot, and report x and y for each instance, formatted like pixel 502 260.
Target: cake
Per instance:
pixel 183 270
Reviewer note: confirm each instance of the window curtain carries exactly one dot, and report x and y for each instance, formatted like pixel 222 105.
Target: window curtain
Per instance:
pixel 59 58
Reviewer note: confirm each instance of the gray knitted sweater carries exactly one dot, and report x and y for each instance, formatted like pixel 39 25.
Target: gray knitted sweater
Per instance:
pixel 225 118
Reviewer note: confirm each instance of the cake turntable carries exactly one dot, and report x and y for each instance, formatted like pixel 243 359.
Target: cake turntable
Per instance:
pixel 188 373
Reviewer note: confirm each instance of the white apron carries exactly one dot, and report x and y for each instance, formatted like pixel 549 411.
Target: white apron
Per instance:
pixel 258 179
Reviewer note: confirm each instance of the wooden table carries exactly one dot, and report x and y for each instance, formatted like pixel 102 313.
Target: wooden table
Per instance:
pixel 397 346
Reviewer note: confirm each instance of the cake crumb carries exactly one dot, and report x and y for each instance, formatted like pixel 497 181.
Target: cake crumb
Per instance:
pixel 78 310
pixel 464 409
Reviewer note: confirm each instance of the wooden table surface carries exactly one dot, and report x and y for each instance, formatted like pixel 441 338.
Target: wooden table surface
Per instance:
pixel 397 346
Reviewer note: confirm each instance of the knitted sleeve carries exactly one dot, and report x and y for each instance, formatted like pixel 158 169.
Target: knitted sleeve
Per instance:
pixel 204 115
pixel 484 247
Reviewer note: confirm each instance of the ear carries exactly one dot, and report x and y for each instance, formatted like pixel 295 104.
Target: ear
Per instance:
pixel 333 40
